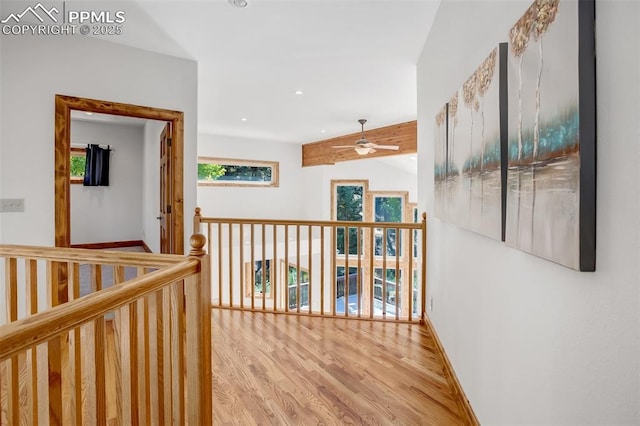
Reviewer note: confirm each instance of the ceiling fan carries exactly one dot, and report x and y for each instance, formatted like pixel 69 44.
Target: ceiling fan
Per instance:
pixel 364 146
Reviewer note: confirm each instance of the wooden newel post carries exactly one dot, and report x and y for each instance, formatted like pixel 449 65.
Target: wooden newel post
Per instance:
pixel 198 344
pixel 196 221
pixel 424 267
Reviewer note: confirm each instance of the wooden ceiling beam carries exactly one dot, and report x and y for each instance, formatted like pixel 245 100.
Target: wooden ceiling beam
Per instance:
pixel 404 135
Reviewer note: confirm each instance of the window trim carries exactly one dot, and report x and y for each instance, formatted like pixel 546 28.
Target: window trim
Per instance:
pixel 335 183
pixel 76 152
pixel 275 172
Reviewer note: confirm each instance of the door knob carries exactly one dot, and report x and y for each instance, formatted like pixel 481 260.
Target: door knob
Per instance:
pixel 159 217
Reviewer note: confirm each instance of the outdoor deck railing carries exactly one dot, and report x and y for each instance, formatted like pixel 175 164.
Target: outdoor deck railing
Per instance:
pixel 362 270
pixel 93 337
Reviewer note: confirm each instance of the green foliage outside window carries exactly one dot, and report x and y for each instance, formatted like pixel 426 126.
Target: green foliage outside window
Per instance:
pixel 78 163
pixel 388 209
pixel 349 205
pixel 208 171
pixel 234 173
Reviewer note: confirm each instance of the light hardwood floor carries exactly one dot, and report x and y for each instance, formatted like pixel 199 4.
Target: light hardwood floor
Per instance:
pixel 280 369
pixel 297 370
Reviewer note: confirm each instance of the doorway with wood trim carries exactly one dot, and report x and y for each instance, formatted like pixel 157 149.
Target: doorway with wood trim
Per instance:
pixel 171 195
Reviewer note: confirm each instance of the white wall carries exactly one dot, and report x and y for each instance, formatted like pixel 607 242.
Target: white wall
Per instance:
pixel 114 212
pixel 151 187
pixel 33 70
pixel 304 193
pixel 282 202
pixel 381 175
pixel 531 341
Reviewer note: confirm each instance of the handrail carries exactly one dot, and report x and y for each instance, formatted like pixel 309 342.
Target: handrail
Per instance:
pixel 337 223
pixel 61 254
pixel 24 334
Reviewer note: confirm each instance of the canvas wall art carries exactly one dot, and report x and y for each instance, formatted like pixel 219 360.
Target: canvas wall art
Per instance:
pixel 551 147
pixel 440 161
pixel 469 178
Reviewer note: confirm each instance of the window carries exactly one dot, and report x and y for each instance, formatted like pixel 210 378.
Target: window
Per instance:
pixel 259 276
pixel 78 163
pixel 230 172
pixel 388 209
pixel 348 199
pixel 292 284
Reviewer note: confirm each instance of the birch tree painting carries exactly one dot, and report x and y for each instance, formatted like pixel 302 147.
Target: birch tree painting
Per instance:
pixel 473 182
pixel 544 162
pixel 440 161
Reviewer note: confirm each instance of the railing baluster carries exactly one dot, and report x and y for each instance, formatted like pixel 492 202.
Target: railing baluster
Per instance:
pixel 372 269
pixel 166 355
pixel 121 337
pixel 210 249
pixel 274 269
pixel 397 248
pixel 31 277
pixel 54 350
pixel 11 281
pixel 252 268
pixel 322 270
pixel 286 267
pixel 384 272
pixel 310 269
pixel 219 264
pixel 177 345
pixel 99 351
pixel 241 269
pixel 359 271
pixel 160 369
pixel 231 265
pixel 410 273
pixel 347 275
pixel 424 267
pixel 146 324
pixel 334 272
pixel 264 274
pixel 74 273
pixel 134 396
pixel 298 268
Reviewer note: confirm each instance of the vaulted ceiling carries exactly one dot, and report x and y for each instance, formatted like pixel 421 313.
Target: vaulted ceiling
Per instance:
pixel 350 59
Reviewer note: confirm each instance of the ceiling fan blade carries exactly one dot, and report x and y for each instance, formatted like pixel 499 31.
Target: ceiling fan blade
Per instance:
pixel 342 146
pixel 391 147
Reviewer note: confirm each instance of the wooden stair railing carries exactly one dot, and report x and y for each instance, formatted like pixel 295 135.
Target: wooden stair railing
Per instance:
pixel 138 352
pixel 302 267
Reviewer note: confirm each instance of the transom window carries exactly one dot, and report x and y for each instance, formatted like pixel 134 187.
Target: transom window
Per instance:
pixel 232 172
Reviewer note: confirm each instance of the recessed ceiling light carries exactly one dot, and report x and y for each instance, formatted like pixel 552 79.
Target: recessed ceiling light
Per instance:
pixel 322 131
pixel 413 157
pixel 238 3
pixel 243 119
pixel 89 113
pixel 299 92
